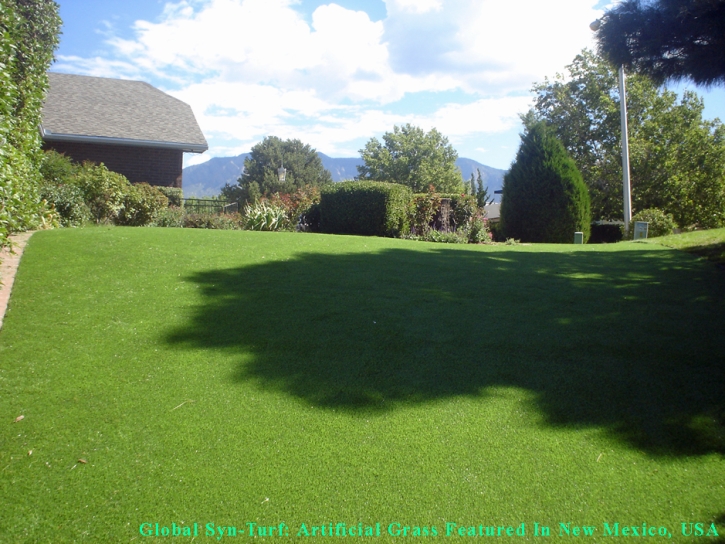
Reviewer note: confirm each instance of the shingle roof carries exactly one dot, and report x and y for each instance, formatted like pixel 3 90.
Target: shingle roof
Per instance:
pixel 97 109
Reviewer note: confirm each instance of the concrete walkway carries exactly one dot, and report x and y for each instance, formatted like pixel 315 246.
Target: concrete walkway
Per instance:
pixel 8 266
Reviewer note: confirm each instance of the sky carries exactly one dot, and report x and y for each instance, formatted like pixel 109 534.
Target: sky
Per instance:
pixel 336 74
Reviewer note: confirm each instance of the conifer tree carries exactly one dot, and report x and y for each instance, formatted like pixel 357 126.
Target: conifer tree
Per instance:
pixel 544 197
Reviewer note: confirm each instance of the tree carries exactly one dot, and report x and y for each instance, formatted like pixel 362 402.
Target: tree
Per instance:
pixel 412 157
pixel 482 196
pixel 260 177
pixel 544 197
pixel 677 159
pixel 667 39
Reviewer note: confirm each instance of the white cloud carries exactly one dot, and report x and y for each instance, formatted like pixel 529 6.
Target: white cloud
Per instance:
pixel 251 68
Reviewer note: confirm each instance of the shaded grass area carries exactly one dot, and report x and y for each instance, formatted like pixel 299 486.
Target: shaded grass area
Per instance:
pixel 235 377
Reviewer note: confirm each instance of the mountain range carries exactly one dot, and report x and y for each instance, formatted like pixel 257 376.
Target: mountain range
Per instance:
pixel 208 178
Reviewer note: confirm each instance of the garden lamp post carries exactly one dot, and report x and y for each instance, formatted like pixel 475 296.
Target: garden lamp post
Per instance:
pixel 625 140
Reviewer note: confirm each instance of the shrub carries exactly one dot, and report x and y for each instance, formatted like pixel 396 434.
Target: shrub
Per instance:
pixel 29 33
pixel 476 230
pixel 660 223
pixel 264 215
pixel 464 207
pixel 365 207
pixel 140 204
pixel 605 234
pixel 173 216
pixel 175 195
pixel 67 201
pixel 219 221
pixel 423 210
pixel 104 191
pixel 544 197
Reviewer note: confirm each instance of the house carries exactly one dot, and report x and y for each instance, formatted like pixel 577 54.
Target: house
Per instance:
pixel 130 126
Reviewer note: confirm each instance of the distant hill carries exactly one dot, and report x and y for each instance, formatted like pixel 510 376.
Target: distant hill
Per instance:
pixel 208 178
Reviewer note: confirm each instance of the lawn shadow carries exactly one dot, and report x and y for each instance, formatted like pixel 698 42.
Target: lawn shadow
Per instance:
pixel 628 341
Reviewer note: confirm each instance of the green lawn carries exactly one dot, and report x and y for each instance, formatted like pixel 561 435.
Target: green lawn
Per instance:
pixel 228 377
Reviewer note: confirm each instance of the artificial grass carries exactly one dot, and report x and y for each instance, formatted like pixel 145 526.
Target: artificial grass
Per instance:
pixel 230 377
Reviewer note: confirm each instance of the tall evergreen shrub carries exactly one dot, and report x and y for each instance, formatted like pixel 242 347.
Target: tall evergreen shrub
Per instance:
pixel 29 31
pixel 544 197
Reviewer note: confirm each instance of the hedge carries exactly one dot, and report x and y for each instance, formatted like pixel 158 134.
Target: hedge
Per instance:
pixel 29 31
pixel 365 207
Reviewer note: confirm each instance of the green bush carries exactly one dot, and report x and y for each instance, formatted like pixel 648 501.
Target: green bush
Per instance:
pixel 365 207
pixel 660 223
pixel 173 216
pixel 67 201
pixel 423 210
pixel 219 221
pixel 263 215
pixel 544 196
pixel 141 203
pixel 103 191
pixel 175 195
pixel 605 234
pixel 29 33
pixel 464 207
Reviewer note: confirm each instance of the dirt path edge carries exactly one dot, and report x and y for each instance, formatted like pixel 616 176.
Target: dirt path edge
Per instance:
pixel 9 261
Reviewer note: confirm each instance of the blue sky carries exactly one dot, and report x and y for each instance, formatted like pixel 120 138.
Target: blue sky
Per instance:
pixel 335 74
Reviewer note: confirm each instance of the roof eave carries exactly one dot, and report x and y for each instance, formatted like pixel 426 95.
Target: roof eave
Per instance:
pixel 85 139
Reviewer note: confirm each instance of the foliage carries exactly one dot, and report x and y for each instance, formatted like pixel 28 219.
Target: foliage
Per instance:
pixel 103 191
pixel 544 197
pixel 411 157
pixel 667 39
pixel 423 210
pixel 482 197
pixel 29 32
pixel 265 215
pixel 68 202
pixel 476 229
pixel 173 216
pixel 365 207
pixel 660 223
pixel 604 233
pixel 141 203
pixel 463 208
pixel 215 221
pixel 174 195
pixel 260 178
pixel 677 158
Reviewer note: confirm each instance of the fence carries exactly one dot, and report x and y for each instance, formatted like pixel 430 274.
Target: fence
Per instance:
pixel 209 205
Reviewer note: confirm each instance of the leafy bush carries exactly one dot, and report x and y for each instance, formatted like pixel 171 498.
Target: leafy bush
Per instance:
pixel 476 230
pixel 605 234
pixel 173 216
pixel 365 207
pixel 175 195
pixel 660 223
pixel 219 221
pixel 544 197
pixel 29 33
pixel 103 191
pixel 264 215
pixel 140 204
pixel 423 210
pixel 464 207
pixel 67 201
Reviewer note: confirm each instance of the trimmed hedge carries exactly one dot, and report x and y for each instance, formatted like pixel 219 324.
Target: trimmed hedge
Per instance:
pixel 29 33
pixel 365 207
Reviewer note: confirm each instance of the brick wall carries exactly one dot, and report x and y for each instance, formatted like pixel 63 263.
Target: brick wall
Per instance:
pixel 155 166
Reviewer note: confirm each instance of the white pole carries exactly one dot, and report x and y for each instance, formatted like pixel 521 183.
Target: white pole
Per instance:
pixel 625 151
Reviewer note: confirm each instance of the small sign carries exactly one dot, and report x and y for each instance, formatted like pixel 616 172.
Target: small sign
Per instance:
pixel 640 230
pixel 578 237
